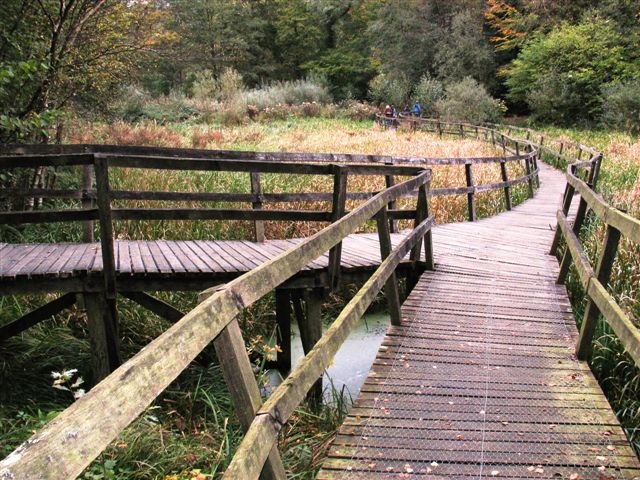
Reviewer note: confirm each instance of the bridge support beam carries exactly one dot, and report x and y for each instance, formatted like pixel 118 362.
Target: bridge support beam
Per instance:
pixel 102 323
pixel 283 320
pixel 309 318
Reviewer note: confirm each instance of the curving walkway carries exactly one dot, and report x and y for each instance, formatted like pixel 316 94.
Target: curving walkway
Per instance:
pixel 481 380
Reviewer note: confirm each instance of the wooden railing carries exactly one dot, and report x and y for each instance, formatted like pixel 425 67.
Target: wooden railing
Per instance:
pixel 594 282
pixel 69 443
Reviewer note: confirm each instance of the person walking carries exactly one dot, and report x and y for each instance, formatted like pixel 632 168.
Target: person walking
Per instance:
pixel 417 109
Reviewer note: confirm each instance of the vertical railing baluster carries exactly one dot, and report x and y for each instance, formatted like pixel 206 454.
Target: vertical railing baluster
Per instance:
pixel 87 202
pixel 505 178
pixel 256 190
pixel 471 199
pixel 391 286
pixel 577 225
pixel 339 205
pixel 603 273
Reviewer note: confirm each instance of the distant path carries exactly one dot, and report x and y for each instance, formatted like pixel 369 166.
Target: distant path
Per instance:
pixel 481 380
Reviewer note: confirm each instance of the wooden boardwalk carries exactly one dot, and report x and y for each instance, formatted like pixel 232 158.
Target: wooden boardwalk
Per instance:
pixel 148 265
pixel 481 380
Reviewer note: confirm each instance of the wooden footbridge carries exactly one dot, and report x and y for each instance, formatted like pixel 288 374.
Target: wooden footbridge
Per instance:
pixel 477 377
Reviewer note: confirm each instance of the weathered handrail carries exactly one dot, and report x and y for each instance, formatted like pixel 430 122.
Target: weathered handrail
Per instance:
pixel 511 147
pixel 594 282
pixel 263 431
pixel 70 442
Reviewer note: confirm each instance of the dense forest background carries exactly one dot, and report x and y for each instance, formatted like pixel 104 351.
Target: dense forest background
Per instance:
pixel 563 62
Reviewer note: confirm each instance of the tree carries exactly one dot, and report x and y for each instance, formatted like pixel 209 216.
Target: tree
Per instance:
pixel 464 51
pixel 220 34
pixel 560 75
pixel 299 37
pixel 73 49
pixel 346 61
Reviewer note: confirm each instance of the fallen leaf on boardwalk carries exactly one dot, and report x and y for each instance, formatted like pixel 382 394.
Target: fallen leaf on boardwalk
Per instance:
pixel 531 469
pixel 539 470
pixel 495 473
pixel 434 464
pixel 601 458
pixel 574 476
pixel 610 447
pixel 602 468
pixel 593 449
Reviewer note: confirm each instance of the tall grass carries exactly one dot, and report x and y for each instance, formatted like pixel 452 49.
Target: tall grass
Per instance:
pixel 619 183
pixel 191 426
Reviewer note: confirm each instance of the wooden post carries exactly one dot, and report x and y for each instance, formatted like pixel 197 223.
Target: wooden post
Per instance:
pixel 423 206
pixel 258 225
pixel 391 287
pixel 310 323
pixel 245 394
pixel 534 162
pixel 577 225
pixel 283 319
pixel 104 341
pixel 439 129
pixel 108 312
pixel 87 203
pixel 603 273
pixel 507 189
pixel 527 168
pixel 339 204
pixel 594 171
pixel 596 175
pixel 389 182
pixel 493 137
pixel 461 131
pixel 566 205
pixel 471 200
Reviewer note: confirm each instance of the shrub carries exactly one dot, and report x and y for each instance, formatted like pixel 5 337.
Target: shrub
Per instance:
pixel 469 101
pixel 553 100
pixel 137 105
pixel 621 106
pixel 224 87
pixel 287 93
pixel 385 89
pixel 428 91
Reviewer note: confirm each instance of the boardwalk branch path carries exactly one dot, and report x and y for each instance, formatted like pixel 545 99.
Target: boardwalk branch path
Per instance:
pixel 481 380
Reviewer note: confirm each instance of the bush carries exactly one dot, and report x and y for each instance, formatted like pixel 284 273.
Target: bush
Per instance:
pixel 428 91
pixel 137 105
pixel 621 106
pixel 225 87
pixel 287 93
pixel 385 89
pixel 468 101
pixel 553 100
